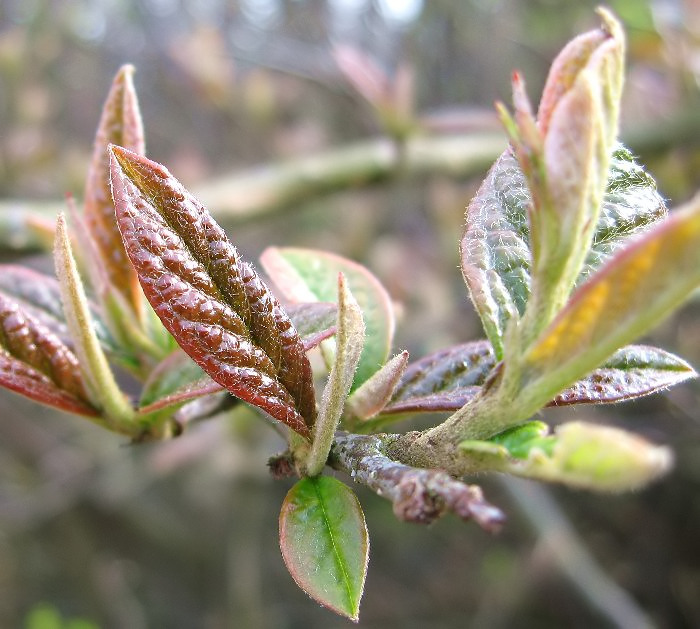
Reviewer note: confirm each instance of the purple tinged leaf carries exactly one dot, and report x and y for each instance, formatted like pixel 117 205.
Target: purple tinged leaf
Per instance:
pixel 214 304
pixel 314 322
pixel 443 381
pixel 324 543
pixel 446 380
pixel 40 296
pixel 631 372
pixel 120 124
pixel 37 364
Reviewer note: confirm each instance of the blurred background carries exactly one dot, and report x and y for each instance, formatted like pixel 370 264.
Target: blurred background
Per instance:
pixel 95 533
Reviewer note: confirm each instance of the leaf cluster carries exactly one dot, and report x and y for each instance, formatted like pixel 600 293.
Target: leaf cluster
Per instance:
pixel 567 253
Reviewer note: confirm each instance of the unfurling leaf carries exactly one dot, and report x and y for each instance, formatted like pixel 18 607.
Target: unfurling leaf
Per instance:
pixel 537 218
pixel 349 336
pixel 375 393
pixel 577 454
pixel 120 124
pixel 102 388
pixel 495 250
pixel 324 543
pixel 174 381
pixel 633 292
pixel 308 275
pixel 37 364
pixel 214 304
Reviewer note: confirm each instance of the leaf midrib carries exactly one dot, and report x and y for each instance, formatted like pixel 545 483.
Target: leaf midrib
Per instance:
pixel 339 561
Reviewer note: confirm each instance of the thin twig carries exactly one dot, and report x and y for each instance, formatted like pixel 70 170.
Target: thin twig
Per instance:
pixel 418 495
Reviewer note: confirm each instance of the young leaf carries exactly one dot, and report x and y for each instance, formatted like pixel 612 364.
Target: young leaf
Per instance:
pixel 314 322
pixel 443 381
pixel 349 342
pixel 40 296
pixel 120 124
pixel 635 290
pixel 309 275
pixel 214 304
pixel 577 454
pixel 375 393
pixel 448 379
pixel 578 121
pixel 175 373
pixel 35 363
pixel 495 250
pixel 324 543
pixel 102 387
pixel 631 372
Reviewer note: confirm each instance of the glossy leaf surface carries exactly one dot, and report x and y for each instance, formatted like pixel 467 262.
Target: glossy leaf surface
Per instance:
pixel 307 274
pixel 495 246
pixel 178 379
pixel 40 296
pixel 448 379
pixel 37 364
pixel 214 304
pixel 443 381
pixel 120 124
pixel 324 543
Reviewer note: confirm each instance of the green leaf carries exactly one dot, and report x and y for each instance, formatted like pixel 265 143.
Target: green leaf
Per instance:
pixel 102 388
pixel 632 293
pixel 577 454
pixel 495 246
pixel 310 275
pixel 172 375
pixel 215 305
pixel 349 342
pixel 324 543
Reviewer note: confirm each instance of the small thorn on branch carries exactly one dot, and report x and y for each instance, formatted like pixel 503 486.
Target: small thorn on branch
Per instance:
pixel 418 495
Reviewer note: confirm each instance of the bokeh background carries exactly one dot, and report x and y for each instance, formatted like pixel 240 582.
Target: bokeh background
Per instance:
pixel 95 533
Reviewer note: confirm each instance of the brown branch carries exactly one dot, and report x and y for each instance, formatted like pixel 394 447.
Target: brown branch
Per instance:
pixel 418 495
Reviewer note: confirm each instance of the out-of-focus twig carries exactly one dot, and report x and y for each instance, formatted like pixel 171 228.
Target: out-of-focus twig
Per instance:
pixel 572 557
pixel 266 190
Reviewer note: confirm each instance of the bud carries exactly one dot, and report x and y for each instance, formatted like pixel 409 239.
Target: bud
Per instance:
pixel 601 458
pixel 565 157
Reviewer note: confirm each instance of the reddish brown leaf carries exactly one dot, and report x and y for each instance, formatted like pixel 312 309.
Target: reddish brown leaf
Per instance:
pixel 213 303
pixel 35 363
pixel 120 124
